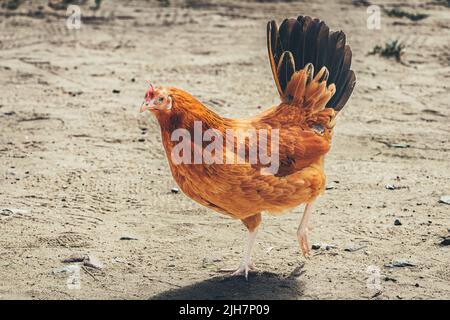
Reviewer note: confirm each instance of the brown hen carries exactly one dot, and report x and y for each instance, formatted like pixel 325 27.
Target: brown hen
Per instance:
pixel 311 68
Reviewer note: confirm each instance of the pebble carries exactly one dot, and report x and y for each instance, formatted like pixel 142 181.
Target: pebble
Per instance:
pixel 93 262
pixel 298 271
pixel 6 212
pixel 445 199
pixel 175 190
pixel 400 264
pixel 87 260
pixel 390 279
pixel 325 246
pixel 269 249
pixel 128 238
pixel 397 222
pixel 76 258
pixel 399 145
pixel 353 248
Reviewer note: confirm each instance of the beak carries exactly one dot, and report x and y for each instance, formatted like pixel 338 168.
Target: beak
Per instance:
pixel 145 106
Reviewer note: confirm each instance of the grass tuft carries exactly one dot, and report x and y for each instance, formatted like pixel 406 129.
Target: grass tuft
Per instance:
pixel 12 4
pixel 400 13
pixel 392 49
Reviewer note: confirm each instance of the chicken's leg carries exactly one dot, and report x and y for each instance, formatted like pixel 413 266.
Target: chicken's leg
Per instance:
pixel 246 265
pixel 302 231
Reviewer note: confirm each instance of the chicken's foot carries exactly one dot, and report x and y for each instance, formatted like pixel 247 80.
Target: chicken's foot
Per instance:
pixel 246 263
pixel 302 231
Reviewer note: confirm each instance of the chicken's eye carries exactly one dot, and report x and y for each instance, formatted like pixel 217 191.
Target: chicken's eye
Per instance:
pixel 160 100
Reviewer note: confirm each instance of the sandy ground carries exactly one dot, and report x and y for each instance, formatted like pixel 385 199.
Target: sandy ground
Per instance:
pixel 81 168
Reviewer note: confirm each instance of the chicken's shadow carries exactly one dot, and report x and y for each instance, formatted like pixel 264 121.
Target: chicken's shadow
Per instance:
pixel 263 285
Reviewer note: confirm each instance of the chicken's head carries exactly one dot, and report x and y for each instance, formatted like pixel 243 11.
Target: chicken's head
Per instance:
pixel 157 100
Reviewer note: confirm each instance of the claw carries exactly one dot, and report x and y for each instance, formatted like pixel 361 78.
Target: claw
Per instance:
pixel 246 262
pixel 243 269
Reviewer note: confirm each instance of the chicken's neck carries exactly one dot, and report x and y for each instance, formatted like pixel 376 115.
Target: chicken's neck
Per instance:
pixel 187 113
pixel 187 120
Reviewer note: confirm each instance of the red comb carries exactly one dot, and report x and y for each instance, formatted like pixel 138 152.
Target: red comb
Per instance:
pixel 150 93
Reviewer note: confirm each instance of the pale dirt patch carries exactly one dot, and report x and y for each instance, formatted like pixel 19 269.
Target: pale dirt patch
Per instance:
pixel 81 168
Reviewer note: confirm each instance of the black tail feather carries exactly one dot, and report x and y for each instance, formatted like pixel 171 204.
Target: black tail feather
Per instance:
pixel 310 41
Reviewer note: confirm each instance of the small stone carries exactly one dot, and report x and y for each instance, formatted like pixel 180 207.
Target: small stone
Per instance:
pixel 390 279
pixel 445 242
pixel 128 238
pixel 298 271
pixel 399 145
pixel 445 199
pixel 93 262
pixel 315 246
pixel 206 262
pixel 400 264
pixel 269 249
pixel 377 294
pixel 397 222
pixel 390 187
pixel 115 91
pixel 6 212
pixel 76 258
pixel 353 248
pixel 175 190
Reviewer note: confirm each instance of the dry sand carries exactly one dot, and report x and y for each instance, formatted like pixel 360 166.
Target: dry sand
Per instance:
pixel 81 168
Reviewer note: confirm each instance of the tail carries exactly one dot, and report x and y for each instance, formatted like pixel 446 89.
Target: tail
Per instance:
pixel 309 64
